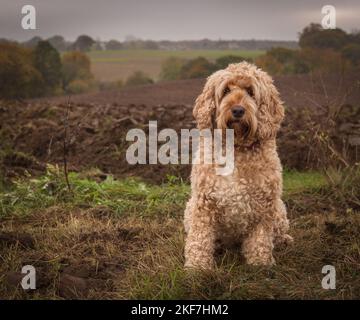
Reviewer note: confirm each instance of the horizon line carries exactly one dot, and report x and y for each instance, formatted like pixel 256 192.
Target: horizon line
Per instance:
pixel 141 39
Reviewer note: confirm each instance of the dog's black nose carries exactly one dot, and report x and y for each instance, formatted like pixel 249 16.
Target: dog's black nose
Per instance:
pixel 238 111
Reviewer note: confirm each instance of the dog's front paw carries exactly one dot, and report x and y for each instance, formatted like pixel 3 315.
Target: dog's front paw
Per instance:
pixel 284 239
pixel 206 264
pixel 287 239
pixel 261 261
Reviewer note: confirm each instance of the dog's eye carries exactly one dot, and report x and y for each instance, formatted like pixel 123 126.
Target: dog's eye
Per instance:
pixel 250 91
pixel 226 91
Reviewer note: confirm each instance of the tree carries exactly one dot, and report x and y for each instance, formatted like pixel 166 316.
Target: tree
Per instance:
pixel 270 64
pixel 58 42
pixel 323 60
pixel 47 61
pixel 83 43
pixel 79 86
pixel 75 65
pixel 114 45
pixel 283 61
pixel 314 36
pixel 18 76
pixel 4 40
pixel 149 44
pixel 32 43
pixel 355 37
pixel 171 68
pixel 197 68
pixel 224 61
pixel 352 53
pixel 282 55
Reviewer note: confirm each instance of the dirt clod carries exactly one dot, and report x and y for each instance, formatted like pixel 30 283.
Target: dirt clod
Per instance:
pixel 13 279
pixel 11 238
pixel 71 287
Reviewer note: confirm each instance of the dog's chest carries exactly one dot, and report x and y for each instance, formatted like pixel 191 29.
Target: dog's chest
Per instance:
pixel 237 199
pixel 232 191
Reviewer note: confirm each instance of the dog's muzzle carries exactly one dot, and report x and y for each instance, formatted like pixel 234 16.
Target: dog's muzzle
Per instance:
pixel 237 112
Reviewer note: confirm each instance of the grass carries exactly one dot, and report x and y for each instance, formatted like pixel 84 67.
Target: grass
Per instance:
pixel 296 182
pixel 125 239
pixel 123 197
pixel 112 65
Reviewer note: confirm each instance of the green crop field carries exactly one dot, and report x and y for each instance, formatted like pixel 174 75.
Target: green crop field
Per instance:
pixel 112 65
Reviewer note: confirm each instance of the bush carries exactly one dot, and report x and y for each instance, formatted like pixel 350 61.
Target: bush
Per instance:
pixel 58 42
pixel 114 45
pixel 223 62
pixel 18 76
pixel 197 68
pixel 324 60
pixel 332 51
pixel 138 78
pixel 76 65
pixel 47 62
pixel 83 43
pixel 270 64
pixel 282 61
pixel 283 55
pixel 314 36
pixel 175 68
pixel 171 68
pixel 352 53
pixel 80 86
pixel 287 61
pixel 110 85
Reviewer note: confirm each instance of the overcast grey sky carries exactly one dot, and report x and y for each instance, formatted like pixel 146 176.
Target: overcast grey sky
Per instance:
pixel 173 19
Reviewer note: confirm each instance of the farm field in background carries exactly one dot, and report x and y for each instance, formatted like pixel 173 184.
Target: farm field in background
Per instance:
pixel 113 65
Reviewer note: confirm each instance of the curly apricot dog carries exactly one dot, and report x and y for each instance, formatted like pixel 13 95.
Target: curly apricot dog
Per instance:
pixel 246 205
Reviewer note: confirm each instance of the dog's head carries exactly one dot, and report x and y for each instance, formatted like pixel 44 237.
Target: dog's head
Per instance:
pixel 241 97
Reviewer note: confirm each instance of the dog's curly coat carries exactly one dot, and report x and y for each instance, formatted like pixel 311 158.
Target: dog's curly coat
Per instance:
pixel 246 205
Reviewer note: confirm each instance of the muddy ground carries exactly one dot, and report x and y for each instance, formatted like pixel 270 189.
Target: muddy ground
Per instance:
pixel 98 124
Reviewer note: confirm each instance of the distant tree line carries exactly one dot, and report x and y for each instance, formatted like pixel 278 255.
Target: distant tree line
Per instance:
pixel 32 72
pixel 36 68
pixel 86 43
pixel 176 68
pixel 330 50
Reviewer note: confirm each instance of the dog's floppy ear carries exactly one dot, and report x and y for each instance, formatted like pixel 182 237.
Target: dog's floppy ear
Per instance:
pixel 204 108
pixel 271 109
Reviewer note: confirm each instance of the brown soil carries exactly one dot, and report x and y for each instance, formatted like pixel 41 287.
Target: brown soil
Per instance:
pixel 99 122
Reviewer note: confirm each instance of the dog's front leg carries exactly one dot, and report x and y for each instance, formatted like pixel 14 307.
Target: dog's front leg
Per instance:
pixel 281 225
pixel 200 240
pixel 258 246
